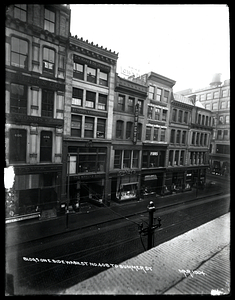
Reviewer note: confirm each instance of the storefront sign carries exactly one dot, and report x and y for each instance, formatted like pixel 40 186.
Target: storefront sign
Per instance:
pixel 126 172
pixel 154 153
pixel 150 177
pixel 88 112
pixel 136 123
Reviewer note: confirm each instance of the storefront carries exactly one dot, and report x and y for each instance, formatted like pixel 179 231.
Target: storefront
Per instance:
pixel 175 177
pixel 125 185
pixel 152 182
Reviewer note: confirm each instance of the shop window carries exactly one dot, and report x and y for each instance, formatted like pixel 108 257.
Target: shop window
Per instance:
pixel 157 113
pixel 76 125
pixel 166 96
pixel 48 60
pixel 121 103
pixel 89 127
pixel 129 130
pixel 155 134
pixel 90 99
pixel 101 124
pixel 130 106
pixel 78 70
pixel 46 146
pixel 127 159
pixel 103 80
pixel 135 159
pixel 174 113
pixel 20 12
pixel 102 102
pixel 17 145
pixel 18 99
pixel 119 129
pixel 151 92
pixel 148 133
pixel 163 135
pixel 164 115
pixel 139 131
pixel 172 140
pixel 117 159
pixel 141 106
pixel 77 96
pixel 19 53
pixel 49 20
pixel 159 94
pixel 150 112
pixel 47 103
pixel 91 74
pixel 180 115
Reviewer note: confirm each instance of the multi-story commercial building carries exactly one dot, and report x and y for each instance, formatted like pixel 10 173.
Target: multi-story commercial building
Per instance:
pixel 128 132
pixel 88 119
pixel 36 39
pixel 216 98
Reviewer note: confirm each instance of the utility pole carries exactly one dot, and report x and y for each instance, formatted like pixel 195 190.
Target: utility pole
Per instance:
pixel 67 210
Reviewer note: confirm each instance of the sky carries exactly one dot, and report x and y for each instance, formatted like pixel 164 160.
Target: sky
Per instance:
pixel 186 43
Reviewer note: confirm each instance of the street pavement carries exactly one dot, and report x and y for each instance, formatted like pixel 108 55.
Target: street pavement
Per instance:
pixel 21 232
pixel 196 262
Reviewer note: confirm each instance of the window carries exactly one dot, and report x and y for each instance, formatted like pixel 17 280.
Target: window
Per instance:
pixel 221 119
pixel 216 95
pixel 101 124
pixel 197 138
pixel 155 134
pixel 207 121
pixel 103 80
pixel 164 115
pixel 17 145
pixel 121 102
pixel 226 135
pixel 174 113
pixel 48 60
pixel 178 134
pixel 77 96
pixel 148 133
pixel 117 159
pixel 228 104
pixel 157 113
pixel 202 97
pixel 141 106
pixel 215 106
pixel 180 116
pixel 76 125
pixel 181 158
pixel 171 152
pixel 18 99
pixel 223 104
pixel 89 127
pixel 208 96
pixel 47 103
pixel 205 139
pixel 90 99
pixel 129 130
pixel 102 102
pixel 227 120
pixel 130 107
pixel 46 146
pixel 19 53
pixel 91 75
pixel 150 112
pixel 139 131
pixel 208 106
pixel 78 71
pixel 20 12
pixel 92 159
pixel 201 139
pixel 224 93
pixel 166 96
pixel 184 137
pixel 163 135
pixel 176 157
pixel 151 92
pixel 49 20
pixel 172 140
pixel 127 159
pixel 185 117
pixel 193 138
pixel 135 159
pixel 223 149
pixel 203 120
pixel 159 94
pixel 119 129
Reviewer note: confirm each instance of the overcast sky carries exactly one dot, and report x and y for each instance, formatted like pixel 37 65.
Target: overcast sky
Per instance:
pixel 186 43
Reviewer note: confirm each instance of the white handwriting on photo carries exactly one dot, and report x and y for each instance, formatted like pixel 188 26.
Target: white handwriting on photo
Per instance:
pixel 85 263
pixel 191 273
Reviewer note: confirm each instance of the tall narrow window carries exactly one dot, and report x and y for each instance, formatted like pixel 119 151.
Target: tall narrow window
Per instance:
pixel 17 145
pixel 148 133
pixel 117 159
pixel 78 70
pixel 130 106
pixel 141 106
pixel 174 113
pixel 91 74
pixel 20 12
pixel 178 136
pixel 48 60
pixel 127 159
pixel 121 102
pixel 19 53
pixel 119 129
pixel 76 125
pixel 135 159
pixel 180 115
pixel 166 96
pixel 18 99
pixel 139 131
pixel 46 146
pixel 151 92
pixel 102 102
pixel 159 94
pixel 172 140
pixel 177 157
pixel 101 124
pixel 186 117
pixel 171 152
pixel 89 127
pixel 129 130
pixel 155 134
pixel 49 20
pixel 157 113
pixel 184 137
pixel 90 99
pixel 181 158
pixel 47 103
pixel 163 135
pixel 77 96
pixel 164 115
pixel 150 112
pixel 103 80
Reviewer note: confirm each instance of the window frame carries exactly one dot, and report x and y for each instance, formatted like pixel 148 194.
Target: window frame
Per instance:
pixel 47 104
pixel 47 61
pixel 20 54
pixel 47 21
pixel 19 100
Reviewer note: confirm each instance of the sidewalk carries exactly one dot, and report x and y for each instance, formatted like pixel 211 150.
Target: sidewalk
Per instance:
pixel 91 215
pixel 196 262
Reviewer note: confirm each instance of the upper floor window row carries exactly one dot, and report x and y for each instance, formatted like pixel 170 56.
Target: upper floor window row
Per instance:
pixel 180 116
pixel 159 94
pixel 128 104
